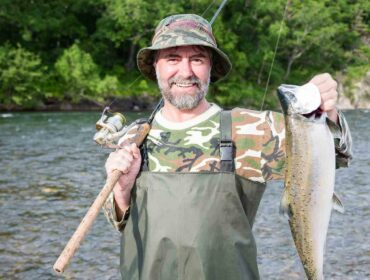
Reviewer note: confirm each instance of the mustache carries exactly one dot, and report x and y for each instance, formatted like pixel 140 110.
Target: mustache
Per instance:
pixel 180 79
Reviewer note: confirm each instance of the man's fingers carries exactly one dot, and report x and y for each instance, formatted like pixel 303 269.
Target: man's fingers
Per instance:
pixel 328 91
pixel 328 85
pixel 124 167
pixel 329 95
pixel 328 100
pixel 320 79
pixel 125 155
pixel 121 160
pixel 133 150
pixel 328 105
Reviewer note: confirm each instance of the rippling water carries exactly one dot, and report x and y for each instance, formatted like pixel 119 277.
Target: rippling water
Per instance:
pixel 51 171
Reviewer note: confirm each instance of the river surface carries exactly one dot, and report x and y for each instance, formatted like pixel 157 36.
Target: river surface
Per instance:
pixel 51 171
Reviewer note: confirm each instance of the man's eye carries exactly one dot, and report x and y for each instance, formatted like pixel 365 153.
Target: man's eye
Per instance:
pixel 197 61
pixel 172 60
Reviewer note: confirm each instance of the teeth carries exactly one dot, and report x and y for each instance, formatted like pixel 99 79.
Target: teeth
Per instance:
pixel 184 85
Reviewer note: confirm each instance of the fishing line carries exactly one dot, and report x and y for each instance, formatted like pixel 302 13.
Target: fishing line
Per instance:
pixel 128 87
pixel 209 6
pixel 275 51
pixel 218 11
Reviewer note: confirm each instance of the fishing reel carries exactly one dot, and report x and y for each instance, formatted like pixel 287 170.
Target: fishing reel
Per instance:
pixel 110 128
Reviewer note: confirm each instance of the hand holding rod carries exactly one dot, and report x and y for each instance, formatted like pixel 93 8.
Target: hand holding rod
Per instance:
pixel 138 133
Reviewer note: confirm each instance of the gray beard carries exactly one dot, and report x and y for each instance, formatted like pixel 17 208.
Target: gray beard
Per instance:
pixel 183 101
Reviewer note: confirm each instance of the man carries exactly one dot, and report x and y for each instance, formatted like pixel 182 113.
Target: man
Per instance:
pixel 188 199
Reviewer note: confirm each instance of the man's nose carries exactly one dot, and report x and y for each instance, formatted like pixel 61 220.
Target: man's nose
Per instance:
pixel 185 69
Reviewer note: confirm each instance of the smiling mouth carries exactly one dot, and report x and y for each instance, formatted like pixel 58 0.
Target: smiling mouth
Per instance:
pixel 185 85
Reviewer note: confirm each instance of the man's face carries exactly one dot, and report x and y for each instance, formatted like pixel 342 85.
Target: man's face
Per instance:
pixel 183 75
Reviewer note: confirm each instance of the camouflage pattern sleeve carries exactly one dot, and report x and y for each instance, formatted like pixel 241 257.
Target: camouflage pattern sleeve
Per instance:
pixel 259 140
pixel 273 147
pixel 248 130
pixel 342 140
pixel 110 213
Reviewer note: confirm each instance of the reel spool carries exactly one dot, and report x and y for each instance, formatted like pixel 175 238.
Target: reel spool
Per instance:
pixel 110 128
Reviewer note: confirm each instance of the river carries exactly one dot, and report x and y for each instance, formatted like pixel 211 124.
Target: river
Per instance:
pixel 51 171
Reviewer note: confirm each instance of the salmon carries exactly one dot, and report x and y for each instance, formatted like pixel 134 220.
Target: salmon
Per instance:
pixel 308 196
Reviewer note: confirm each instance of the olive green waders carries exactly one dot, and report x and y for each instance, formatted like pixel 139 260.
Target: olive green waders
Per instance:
pixel 193 225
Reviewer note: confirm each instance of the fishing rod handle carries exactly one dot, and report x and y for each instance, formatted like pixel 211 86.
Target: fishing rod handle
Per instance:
pixel 81 231
pixel 75 241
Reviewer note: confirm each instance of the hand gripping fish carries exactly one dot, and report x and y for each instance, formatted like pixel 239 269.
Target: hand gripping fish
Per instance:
pixel 309 176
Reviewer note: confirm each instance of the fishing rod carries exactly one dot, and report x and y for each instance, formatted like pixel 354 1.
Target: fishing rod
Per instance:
pixel 111 127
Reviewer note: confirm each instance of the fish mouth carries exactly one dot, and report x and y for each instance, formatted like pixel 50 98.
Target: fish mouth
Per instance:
pixel 300 100
pixel 287 98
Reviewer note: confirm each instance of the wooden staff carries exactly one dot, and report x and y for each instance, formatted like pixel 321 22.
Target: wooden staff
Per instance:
pixel 139 133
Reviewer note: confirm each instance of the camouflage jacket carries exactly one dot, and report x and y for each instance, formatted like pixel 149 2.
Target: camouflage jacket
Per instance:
pixel 193 146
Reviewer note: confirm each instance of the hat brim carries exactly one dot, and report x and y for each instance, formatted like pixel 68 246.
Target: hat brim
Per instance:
pixel 221 65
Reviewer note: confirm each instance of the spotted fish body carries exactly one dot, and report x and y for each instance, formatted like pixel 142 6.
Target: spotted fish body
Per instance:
pixel 309 183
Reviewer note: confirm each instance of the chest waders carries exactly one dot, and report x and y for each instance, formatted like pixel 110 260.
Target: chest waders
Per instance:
pixel 193 225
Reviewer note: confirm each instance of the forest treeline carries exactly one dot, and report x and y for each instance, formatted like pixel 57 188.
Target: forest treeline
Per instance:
pixel 72 50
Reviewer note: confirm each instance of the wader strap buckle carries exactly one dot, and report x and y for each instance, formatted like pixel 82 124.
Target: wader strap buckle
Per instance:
pixel 226 150
pixel 226 143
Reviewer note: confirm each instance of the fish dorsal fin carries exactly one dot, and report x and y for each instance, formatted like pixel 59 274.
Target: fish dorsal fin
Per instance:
pixel 337 204
pixel 284 208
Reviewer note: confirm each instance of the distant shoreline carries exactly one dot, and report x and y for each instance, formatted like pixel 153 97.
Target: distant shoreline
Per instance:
pixel 132 105
pixel 121 104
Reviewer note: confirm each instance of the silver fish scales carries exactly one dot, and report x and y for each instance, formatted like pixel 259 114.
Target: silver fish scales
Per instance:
pixel 309 182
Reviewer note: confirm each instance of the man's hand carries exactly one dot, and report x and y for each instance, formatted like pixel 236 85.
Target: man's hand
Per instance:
pixel 128 161
pixel 329 94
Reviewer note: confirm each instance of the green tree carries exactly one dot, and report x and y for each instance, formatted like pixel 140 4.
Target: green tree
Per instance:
pixel 316 36
pixel 21 74
pixel 80 76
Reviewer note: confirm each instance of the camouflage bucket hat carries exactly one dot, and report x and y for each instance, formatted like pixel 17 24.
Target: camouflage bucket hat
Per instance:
pixel 183 30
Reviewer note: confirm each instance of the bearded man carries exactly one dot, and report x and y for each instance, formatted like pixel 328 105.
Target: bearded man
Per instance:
pixel 188 198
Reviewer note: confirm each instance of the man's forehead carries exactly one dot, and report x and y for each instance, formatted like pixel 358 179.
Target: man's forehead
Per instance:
pixel 193 49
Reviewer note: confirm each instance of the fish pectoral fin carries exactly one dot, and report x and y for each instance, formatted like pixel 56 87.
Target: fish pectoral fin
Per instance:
pixel 284 208
pixel 337 204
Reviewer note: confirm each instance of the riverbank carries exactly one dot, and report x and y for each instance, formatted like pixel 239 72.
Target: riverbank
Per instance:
pixel 351 95
pixel 133 104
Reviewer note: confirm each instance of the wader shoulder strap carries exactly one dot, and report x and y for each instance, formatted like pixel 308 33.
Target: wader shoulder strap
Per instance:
pixel 226 143
pixel 144 157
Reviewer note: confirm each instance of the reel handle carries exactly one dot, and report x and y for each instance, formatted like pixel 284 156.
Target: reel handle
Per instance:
pixel 138 132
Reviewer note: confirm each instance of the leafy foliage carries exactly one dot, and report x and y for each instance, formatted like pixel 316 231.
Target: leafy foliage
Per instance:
pixel 68 49
pixel 21 76
pixel 80 75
